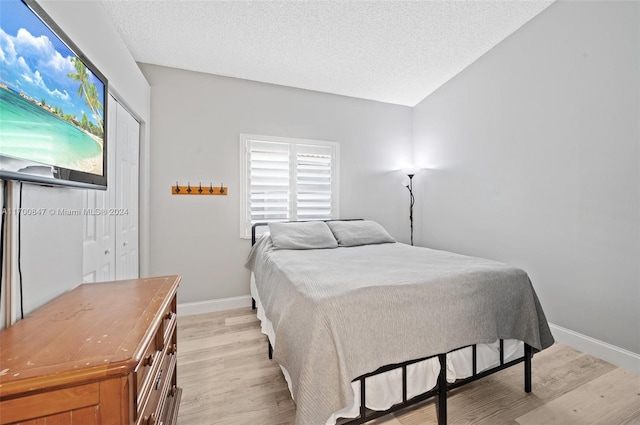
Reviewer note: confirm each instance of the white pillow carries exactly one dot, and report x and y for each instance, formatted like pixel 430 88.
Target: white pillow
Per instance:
pixel 359 232
pixel 302 235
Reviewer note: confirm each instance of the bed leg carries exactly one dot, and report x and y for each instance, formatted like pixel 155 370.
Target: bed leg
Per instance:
pixel 253 304
pixel 404 383
pixel 527 368
pixel 474 359
pixel 363 399
pixel 441 398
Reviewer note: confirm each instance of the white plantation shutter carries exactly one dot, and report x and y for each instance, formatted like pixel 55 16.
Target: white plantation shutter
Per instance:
pixel 269 181
pixel 287 179
pixel 313 182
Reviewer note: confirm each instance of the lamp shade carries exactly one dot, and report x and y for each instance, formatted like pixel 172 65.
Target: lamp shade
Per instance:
pixel 410 170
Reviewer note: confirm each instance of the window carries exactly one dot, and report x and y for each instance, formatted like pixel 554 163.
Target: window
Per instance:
pixel 286 179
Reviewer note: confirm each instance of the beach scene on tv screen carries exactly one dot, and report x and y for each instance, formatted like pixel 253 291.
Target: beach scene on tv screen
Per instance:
pixel 51 105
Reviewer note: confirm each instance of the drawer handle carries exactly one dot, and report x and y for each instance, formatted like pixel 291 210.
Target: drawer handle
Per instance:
pixel 168 315
pixel 151 420
pixel 172 349
pixel 148 361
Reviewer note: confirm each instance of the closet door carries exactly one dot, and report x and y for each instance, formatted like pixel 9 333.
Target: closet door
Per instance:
pixel 127 180
pixel 110 242
pixel 99 243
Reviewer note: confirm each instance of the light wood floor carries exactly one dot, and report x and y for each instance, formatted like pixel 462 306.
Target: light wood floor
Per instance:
pixel 227 379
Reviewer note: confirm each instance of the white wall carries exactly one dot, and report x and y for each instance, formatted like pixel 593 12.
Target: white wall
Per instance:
pixel 52 244
pixel 534 160
pixel 197 119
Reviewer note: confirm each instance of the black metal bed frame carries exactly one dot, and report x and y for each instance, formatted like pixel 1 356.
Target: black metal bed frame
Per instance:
pixel 439 392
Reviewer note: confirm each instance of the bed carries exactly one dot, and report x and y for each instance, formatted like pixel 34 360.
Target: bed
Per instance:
pixel 362 325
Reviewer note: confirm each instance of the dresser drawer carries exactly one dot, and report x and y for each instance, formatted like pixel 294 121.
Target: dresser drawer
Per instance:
pixel 152 367
pixel 144 373
pixel 169 320
pixel 153 409
pixel 171 404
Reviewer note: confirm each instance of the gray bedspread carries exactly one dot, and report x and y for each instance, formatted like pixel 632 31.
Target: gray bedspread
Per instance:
pixel 340 313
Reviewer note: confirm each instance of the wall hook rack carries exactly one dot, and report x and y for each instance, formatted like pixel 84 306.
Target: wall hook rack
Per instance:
pixel 199 189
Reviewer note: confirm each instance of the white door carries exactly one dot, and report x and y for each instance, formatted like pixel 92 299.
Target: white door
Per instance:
pixel 127 155
pixel 110 249
pixel 99 243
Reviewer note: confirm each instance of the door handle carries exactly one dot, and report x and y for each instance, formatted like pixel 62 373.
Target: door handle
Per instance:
pixel 107 251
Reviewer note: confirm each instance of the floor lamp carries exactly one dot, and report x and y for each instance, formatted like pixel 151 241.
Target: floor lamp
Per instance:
pixel 410 171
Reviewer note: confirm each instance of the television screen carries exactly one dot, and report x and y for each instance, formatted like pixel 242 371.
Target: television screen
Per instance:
pixel 52 103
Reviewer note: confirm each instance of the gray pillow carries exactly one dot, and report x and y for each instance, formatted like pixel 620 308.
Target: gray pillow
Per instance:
pixel 359 232
pixel 302 235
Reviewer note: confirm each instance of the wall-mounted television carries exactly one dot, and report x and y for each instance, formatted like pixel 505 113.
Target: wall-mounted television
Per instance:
pixel 53 103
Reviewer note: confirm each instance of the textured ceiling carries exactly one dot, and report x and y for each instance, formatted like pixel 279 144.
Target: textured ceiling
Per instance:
pixel 390 51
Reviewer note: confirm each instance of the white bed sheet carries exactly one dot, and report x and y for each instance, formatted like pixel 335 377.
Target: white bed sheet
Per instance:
pixel 385 390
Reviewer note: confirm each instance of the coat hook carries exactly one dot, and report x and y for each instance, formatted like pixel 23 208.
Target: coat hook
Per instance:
pixel 222 188
pixel 210 187
pixel 188 187
pixel 200 188
pixel 177 188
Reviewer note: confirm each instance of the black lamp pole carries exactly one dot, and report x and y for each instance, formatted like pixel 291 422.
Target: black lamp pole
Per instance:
pixel 411 202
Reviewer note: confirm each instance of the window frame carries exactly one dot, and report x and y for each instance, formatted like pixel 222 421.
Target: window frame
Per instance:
pixel 244 190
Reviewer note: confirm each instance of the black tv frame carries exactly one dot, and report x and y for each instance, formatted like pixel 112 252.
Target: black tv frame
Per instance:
pixel 52 175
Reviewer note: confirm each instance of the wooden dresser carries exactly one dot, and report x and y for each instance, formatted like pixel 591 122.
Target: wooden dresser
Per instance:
pixel 103 353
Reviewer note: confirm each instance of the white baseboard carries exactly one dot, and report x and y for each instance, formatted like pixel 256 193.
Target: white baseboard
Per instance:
pixel 209 306
pixel 602 350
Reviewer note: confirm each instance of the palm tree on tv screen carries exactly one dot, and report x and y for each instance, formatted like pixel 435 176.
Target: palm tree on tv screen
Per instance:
pixel 87 89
